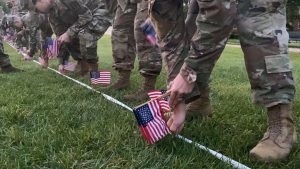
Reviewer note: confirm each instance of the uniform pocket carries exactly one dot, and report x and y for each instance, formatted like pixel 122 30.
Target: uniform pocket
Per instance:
pixel 278 63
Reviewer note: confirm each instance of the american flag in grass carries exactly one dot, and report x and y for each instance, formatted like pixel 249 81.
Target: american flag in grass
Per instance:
pixel 52 48
pixel 151 121
pixel 102 77
pixel 164 102
pixel 69 66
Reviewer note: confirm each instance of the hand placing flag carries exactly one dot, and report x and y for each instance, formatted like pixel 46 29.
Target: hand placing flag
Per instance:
pixel 100 78
pixel 151 121
pixel 163 102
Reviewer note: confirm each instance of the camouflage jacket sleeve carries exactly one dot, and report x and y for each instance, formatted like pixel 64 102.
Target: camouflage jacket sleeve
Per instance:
pixel 124 3
pixel 84 16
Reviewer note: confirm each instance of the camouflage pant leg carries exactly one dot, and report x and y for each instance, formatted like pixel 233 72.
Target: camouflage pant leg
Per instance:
pixel 64 55
pixel 150 62
pixel 264 39
pixel 73 49
pixel 20 41
pixel 123 42
pixel 168 19
pixel 190 21
pixel 214 24
pixel 4 60
pixel 89 36
pixel 45 33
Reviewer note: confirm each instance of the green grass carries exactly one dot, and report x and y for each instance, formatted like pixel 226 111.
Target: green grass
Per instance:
pixel 50 122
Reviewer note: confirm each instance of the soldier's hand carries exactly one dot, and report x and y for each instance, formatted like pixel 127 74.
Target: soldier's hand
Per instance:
pixel 178 89
pixel 64 38
pixel 176 121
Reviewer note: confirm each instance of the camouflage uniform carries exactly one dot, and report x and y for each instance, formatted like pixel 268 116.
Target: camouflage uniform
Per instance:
pixel 5 64
pixel 2 14
pixel 263 41
pixel 127 37
pixel 84 21
pixel 21 36
pixel 168 19
pixel 33 22
pixel 4 59
pixel 190 20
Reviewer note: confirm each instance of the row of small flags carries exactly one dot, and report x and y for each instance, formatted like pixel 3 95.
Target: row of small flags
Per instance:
pixel 149 116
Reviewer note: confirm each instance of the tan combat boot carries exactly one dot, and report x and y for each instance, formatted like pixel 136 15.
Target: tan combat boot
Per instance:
pixel 200 107
pixel 280 136
pixel 123 81
pixel 9 69
pixel 84 67
pixel 142 94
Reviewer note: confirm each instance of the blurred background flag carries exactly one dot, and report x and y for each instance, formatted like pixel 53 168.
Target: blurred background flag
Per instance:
pixel 149 31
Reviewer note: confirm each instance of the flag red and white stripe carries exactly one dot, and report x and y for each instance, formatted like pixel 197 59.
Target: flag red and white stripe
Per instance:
pixel 52 50
pixel 164 103
pixel 102 77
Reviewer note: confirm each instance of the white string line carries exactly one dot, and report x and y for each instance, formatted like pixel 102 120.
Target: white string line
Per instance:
pixel 220 156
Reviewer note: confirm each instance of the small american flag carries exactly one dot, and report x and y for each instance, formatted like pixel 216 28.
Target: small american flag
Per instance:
pixel 52 48
pixel 102 77
pixel 164 102
pixel 149 32
pixel 69 66
pixel 151 122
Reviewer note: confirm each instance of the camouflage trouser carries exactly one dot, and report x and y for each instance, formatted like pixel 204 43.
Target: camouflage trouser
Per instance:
pixel 264 41
pixel 64 54
pixel 190 21
pixel 22 41
pixel 4 60
pixel 128 35
pixel 168 19
pixel 40 39
pixel 89 36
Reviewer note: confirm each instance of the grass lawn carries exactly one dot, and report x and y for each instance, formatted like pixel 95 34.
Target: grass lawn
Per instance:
pixel 50 122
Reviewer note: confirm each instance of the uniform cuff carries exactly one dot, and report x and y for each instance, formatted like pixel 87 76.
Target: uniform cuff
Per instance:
pixel 71 33
pixel 188 74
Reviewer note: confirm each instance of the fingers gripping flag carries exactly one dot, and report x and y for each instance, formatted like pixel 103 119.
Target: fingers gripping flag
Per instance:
pixel 52 48
pixel 163 102
pixel 151 122
pixel 102 77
